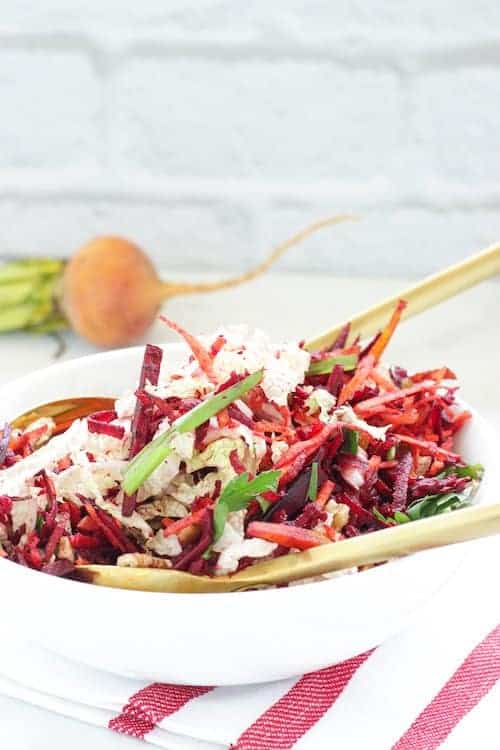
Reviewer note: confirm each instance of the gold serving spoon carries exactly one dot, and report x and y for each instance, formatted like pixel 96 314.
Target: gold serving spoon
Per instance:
pixel 375 547
pixel 65 411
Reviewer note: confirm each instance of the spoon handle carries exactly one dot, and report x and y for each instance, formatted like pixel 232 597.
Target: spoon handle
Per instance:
pixel 425 294
pixel 379 546
pixel 376 547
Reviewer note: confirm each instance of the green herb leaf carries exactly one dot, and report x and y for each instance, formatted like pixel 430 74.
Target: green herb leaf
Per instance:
pixel 379 516
pixel 325 366
pixel 400 517
pixel 237 494
pixel 351 441
pixel 433 505
pixel 147 460
pixel 474 471
pixel 312 492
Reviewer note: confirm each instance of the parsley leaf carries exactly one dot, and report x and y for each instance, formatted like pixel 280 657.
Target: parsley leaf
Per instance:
pixel 238 493
pixel 430 505
pixel 474 471
pixel 433 505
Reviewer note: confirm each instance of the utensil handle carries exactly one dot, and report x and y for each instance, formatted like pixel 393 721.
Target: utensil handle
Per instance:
pixel 379 546
pixel 425 294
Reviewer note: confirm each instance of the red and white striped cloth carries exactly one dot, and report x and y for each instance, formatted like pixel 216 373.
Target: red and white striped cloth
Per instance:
pixel 435 685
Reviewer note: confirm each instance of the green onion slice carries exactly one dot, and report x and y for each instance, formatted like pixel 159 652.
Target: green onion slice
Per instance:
pixel 155 452
pixel 312 492
pixel 325 366
pixel 351 441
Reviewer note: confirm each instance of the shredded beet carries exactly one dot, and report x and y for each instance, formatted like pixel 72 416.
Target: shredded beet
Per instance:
pixel 104 428
pixel 398 375
pixel 434 486
pixel 107 415
pixel 141 422
pixel 342 337
pixel 236 413
pixel 365 392
pixel 362 516
pixel 402 475
pixel 110 529
pixel 58 568
pixel 310 516
pixel 48 487
pixel 195 551
pixel 335 380
pixel 53 541
pixel 295 497
pixel 149 374
pixel 238 467
pixel 5 505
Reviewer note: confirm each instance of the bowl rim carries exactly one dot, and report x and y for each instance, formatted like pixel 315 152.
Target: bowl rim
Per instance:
pixel 454 553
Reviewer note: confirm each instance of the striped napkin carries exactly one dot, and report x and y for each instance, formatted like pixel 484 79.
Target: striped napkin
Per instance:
pixel 434 685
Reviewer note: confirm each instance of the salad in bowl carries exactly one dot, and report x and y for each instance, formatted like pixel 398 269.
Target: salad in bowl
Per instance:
pixel 246 450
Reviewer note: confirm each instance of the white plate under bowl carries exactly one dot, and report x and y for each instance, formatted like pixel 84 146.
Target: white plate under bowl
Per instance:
pixel 215 639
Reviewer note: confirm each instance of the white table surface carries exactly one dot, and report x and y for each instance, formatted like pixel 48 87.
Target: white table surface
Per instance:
pixel 462 333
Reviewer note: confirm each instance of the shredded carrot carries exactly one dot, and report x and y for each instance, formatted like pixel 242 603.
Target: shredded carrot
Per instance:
pixel 182 523
pixel 376 402
pixel 380 344
pixel 429 449
pixel 459 420
pixel 325 493
pixel 330 532
pixel 382 381
pixel 26 440
pixel 436 467
pixel 394 418
pixel 287 536
pixel 286 433
pixel 203 356
pixel 442 373
pixel 217 345
pixel 223 418
pixel 306 447
pixel 363 371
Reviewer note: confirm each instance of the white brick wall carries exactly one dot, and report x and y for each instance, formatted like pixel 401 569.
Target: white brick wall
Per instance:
pixel 206 130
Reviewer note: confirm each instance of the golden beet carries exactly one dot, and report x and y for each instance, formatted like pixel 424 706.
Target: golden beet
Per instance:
pixel 111 292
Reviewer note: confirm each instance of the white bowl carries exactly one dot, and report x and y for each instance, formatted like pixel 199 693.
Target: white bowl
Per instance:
pixel 215 639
